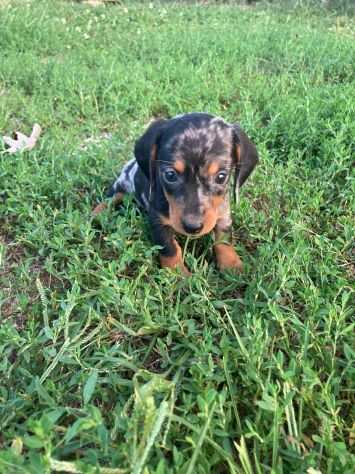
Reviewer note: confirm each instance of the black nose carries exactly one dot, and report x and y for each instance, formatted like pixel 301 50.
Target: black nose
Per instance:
pixel 192 226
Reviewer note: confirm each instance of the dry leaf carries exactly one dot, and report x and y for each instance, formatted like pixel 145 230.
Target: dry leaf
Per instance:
pixel 23 142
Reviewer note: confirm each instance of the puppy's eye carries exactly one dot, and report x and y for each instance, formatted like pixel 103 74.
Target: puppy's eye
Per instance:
pixel 170 176
pixel 221 177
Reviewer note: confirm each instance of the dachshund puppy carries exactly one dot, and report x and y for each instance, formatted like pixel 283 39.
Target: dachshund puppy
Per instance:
pixel 180 176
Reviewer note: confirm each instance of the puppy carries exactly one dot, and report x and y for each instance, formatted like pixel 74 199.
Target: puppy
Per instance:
pixel 180 176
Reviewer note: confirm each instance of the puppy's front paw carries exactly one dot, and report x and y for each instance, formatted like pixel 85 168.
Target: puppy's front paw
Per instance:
pixel 98 209
pixel 227 258
pixel 175 261
pixel 116 200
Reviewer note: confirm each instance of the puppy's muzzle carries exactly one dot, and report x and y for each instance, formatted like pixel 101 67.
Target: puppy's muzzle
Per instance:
pixel 192 224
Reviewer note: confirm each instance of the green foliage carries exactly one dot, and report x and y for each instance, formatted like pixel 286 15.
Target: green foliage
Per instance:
pixel 110 364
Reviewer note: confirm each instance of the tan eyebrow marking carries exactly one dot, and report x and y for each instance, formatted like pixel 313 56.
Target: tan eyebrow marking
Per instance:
pixel 213 168
pixel 179 166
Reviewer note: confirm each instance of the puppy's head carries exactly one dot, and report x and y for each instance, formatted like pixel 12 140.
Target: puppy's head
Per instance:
pixel 189 161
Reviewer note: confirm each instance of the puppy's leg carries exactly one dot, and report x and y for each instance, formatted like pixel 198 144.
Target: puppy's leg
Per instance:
pixel 116 200
pixel 124 183
pixel 227 257
pixel 170 254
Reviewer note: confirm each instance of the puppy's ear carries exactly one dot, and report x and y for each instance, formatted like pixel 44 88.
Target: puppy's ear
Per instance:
pixel 246 156
pixel 146 148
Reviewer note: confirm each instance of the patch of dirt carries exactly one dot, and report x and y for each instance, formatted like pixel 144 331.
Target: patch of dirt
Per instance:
pixel 12 258
pixel 153 363
pixel 242 236
pixel 350 265
pixel 262 204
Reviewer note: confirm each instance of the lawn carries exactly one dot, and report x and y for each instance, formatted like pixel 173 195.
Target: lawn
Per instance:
pixel 110 364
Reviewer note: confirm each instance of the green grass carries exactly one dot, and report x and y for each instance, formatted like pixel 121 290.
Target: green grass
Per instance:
pixel 109 362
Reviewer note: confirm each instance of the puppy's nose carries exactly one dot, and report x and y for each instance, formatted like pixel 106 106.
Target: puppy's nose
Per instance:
pixel 191 225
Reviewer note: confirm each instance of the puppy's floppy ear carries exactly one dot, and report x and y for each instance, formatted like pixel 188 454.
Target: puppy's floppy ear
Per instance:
pixel 246 156
pixel 146 147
